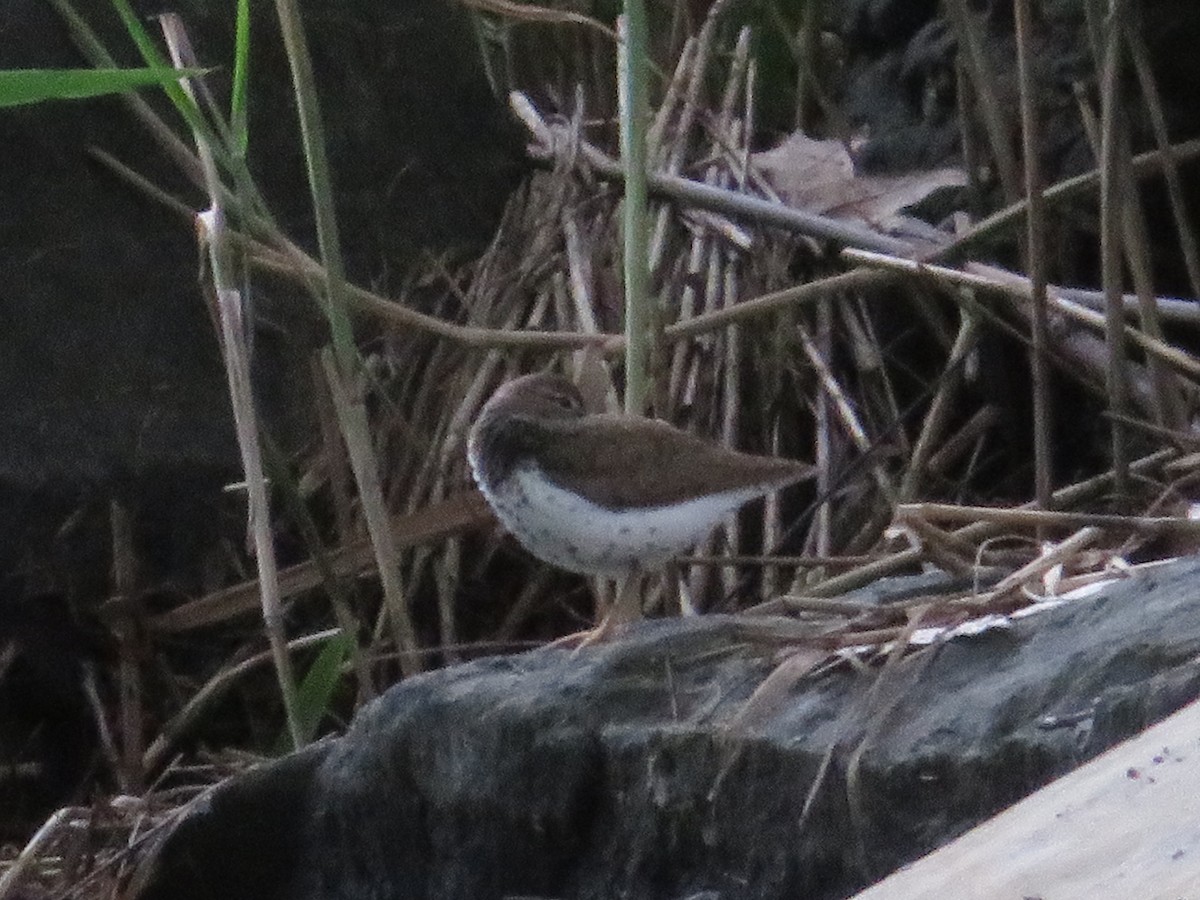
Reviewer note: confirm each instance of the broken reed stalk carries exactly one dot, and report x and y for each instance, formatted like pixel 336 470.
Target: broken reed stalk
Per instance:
pixel 236 354
pixel 844 411
pixel 1035 246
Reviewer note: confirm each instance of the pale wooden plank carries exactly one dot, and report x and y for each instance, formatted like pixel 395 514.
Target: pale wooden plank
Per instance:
pixel 1126 826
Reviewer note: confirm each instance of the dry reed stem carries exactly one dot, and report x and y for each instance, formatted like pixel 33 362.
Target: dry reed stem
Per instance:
pixel 871 360
pixel 983 84
pixel 1111 212
pixel 1037 518
pixel 949 552
pixel 981 421
pixel 980 529
pixel 1049 558
pixel 130 704
pixel 1184 227
pixel 1134 250
pixel 1143 164
pixel 1035 247
pixel 235 352
pixel 846 413
pixel 1000 281
pixel 188 715
pixel 435 522
pixel 530 12
pixel 940 408
pixel 348 395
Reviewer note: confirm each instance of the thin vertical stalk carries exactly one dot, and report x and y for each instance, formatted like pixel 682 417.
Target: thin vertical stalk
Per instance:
pixel 1036 246
pixel 1135 244
pixel 238 122
pixel 632 80
pixel 1170 165
pixel 826 441
pixel 1111 197
pixel 983 82
pixel 130 774
pixel 312 135
pixel 343 369
pixel 237 370
pixel 940 407
pixel 731 405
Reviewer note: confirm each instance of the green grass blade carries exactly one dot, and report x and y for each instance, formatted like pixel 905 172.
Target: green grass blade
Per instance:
pixel 20 86
pixel 154 58
pixel 316 690
pixel 241 75
pixel 140 36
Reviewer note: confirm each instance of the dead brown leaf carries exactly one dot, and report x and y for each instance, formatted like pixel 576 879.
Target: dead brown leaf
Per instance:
pixel 818 176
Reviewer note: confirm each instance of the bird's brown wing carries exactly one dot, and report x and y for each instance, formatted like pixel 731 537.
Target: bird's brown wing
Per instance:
pixel 621 461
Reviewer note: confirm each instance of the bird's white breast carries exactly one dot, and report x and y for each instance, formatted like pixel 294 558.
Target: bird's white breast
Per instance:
pixel 573 533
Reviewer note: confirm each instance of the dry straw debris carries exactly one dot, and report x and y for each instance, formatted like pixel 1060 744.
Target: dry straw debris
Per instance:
pixel 795 319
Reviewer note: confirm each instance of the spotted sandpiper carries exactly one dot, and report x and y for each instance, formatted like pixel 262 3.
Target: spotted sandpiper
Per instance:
pixel 604 494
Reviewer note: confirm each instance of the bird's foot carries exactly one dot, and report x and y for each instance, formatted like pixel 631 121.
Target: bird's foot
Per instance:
pixel 605 631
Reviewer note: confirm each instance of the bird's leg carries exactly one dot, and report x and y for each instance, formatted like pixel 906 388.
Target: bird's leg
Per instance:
pixel 626 607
